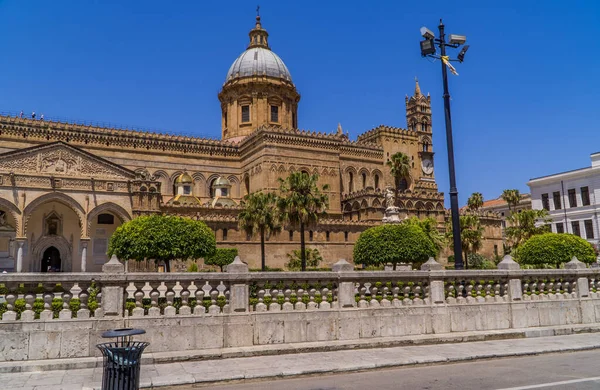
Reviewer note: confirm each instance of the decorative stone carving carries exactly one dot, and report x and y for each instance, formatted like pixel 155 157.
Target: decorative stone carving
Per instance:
pixel 60 159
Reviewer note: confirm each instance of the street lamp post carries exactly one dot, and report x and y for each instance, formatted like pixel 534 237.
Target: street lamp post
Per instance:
pixel 428 50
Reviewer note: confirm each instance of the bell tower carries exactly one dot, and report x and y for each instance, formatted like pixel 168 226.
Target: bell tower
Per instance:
pixel 418 119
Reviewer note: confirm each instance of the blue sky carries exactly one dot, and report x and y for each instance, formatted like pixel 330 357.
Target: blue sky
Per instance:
pixel 525 103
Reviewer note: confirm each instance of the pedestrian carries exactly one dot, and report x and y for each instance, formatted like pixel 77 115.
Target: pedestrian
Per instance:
pixel 21 114
pixel 42 117
pixel 33 115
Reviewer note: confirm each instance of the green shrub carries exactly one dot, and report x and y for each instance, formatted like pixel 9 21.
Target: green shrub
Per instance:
pixel 401 243
pixel 313 259
pixel 221 257
pixel 192 267
pixel 477 261
pixel 451 259
pixel 554 249
pixel 57 304
pixel 130 305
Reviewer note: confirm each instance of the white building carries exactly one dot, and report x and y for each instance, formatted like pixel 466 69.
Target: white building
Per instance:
pixel 572 199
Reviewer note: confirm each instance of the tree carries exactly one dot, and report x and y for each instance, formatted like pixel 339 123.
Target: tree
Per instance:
pixel 260 215
pixel 429 227
pixel 554 249
pixel 302 203
pixel 400 168
pixel 221 257
pixel 471 234
pixel 525 224
pixel 313 259
pixel 162 238
pixel 475 201
pixel 393 243
pixel 512 198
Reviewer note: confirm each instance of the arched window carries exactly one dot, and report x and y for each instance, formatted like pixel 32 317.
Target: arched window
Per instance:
pixel 403 185
pixel 247 184
pixel 423 126
pixel 350 182
pixel 212 188
pixel 376 181
pixel 364 180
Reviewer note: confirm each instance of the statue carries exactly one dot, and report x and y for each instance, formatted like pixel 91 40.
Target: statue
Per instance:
pixel 390 199
pixel 392 213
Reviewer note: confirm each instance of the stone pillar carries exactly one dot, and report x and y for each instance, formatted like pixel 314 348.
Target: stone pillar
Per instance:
pixel 84 247
pixel 345 288
pixel 238 289
pixel 113 289
pixel 20 243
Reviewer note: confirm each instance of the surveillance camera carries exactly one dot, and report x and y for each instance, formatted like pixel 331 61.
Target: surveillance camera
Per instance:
pixel 457 39
pixel 427 33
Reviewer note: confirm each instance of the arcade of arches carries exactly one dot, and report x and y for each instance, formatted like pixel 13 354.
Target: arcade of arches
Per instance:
pixel 65 188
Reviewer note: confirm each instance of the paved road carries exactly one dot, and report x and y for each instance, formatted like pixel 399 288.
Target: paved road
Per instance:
pixel 578 370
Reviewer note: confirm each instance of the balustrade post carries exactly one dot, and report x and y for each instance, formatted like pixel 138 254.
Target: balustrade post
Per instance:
pixel 239 295
pixel 436 282
pixel 113 291
pixel 20 243
pixel 583 287
pixel 84 247
pixel 345 287
pixel 515 289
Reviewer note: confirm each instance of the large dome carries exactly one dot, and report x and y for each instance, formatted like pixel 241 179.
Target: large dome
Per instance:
pixel 258 61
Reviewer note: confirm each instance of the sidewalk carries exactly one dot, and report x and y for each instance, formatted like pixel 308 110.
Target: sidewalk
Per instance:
pixel 168 374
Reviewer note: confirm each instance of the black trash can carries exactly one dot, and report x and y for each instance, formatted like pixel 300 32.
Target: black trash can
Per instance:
pixel 121 370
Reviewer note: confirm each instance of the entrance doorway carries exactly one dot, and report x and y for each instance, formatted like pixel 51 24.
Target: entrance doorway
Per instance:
pixel 51 260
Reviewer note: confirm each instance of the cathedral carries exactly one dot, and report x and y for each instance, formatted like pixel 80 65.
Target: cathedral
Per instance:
pixel 65 188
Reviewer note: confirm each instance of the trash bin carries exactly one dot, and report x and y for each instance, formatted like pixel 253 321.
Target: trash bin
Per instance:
pixel 121 370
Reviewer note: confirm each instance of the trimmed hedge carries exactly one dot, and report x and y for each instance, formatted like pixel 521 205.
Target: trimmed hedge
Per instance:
pixel 554 249
pixel 399 243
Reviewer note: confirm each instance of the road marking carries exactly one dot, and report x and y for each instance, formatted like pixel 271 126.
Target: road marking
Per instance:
pixel 550 384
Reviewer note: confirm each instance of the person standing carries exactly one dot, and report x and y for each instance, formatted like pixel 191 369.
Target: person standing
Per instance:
pixel 21 114
pixel 33 115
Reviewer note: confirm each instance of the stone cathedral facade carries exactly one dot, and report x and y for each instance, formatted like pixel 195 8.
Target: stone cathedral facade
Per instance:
pixel 65 188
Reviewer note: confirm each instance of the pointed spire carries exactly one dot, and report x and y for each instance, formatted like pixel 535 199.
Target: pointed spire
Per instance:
pixel 417 88
pixel 339 129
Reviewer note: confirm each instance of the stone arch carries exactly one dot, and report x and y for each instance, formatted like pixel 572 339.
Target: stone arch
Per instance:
pixel 429 206
pixel 59 242
pixel 14 211
pixel 377 176
pixel 365 178
pixel 235 186
pixel 419 205
pixel 401 204
pixel 199 184
pixel 110 207
pixel 409 205
pixel 172 179
pixel 55 197
pixel 376 203
pixel 348 207
pixel 165 181
pixel 439 207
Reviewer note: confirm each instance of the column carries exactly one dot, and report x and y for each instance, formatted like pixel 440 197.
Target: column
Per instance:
pixel 84 245
pixel 20 243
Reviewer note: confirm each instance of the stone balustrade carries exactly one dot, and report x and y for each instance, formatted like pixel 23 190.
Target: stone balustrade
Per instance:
pixel 54 315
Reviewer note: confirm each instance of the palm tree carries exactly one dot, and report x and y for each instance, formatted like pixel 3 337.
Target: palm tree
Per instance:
pixel 475 201
pixel 471 235
pixel 302 203
pixel 512 198
pixel 260 215
pixel 400 168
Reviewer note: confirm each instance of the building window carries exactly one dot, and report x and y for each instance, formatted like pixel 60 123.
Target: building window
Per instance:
pixel 327 236
pixel 187 190
pixel 106 219
pixel 376 181
pixel 403 185
pixel 346 236
pixel 364 180
pixel 585 196
pixel 291 233
pixel 245 114
pixel 274 114
pixel 575 227
pixel 560 228
pixel 224 234
pixel 589 228
pixel 557 202
pixel 545 202
pixel 351 182
pixel 423 126
pixel 310 235
pixel 572 198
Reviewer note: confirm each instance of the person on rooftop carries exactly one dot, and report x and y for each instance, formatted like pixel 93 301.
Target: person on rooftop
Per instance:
pixel 21 114
pixel 33 115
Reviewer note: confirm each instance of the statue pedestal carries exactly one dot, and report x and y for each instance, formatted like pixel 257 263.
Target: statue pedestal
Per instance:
pixel 392 215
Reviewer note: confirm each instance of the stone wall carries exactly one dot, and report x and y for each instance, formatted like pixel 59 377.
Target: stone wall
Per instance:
pixel 189 311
